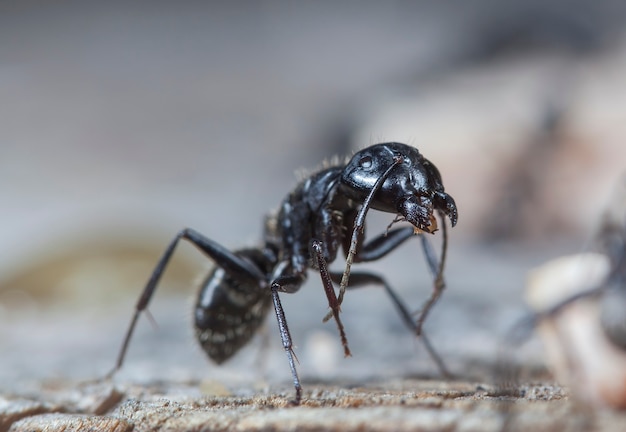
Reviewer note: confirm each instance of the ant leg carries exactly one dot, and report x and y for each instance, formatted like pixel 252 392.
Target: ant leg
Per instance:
pixel 329 289
pixel 437 270
pixel 385 243
pixel 287 284
pixel 360 279
pixel 225 259
pixel 376 249
pixel 380 246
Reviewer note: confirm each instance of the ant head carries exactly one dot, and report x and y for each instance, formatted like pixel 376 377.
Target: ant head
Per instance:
pixel 413 188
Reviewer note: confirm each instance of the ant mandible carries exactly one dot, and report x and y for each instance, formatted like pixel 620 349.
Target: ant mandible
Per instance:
pixel 307 231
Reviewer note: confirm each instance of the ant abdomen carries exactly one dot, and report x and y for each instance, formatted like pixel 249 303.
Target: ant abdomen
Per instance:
pixel 229 310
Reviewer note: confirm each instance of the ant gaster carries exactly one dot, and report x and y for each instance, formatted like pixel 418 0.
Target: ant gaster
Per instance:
pixel 312 223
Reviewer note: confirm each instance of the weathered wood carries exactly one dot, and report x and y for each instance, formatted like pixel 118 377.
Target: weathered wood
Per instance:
pixel 399 405
pixel 58 422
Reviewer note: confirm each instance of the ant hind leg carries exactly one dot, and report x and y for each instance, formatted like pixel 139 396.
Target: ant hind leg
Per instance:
pixel 223 258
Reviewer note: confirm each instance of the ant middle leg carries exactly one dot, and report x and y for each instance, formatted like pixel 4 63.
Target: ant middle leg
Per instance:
pixel 287 284
pixel 290 284
pixel 329 289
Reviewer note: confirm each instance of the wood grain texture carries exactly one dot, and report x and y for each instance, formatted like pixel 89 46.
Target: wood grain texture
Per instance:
pixel 398 405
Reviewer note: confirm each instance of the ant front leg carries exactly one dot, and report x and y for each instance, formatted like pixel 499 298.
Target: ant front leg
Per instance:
pixel 437 271
pixel 360 279
pixel 223 257
pixel 385 243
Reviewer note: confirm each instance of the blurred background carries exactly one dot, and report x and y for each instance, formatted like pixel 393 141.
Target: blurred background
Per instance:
pixel 122 122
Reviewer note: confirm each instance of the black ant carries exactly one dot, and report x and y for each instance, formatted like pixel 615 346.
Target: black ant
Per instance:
pixel 310 226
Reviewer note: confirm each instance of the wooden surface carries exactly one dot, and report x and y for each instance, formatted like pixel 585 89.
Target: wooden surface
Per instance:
pixel 396 405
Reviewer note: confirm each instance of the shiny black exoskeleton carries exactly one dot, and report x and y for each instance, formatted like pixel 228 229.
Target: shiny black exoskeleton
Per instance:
pixel 325 212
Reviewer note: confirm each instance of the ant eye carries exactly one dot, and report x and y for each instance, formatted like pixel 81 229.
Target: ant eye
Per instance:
pixel 365 162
